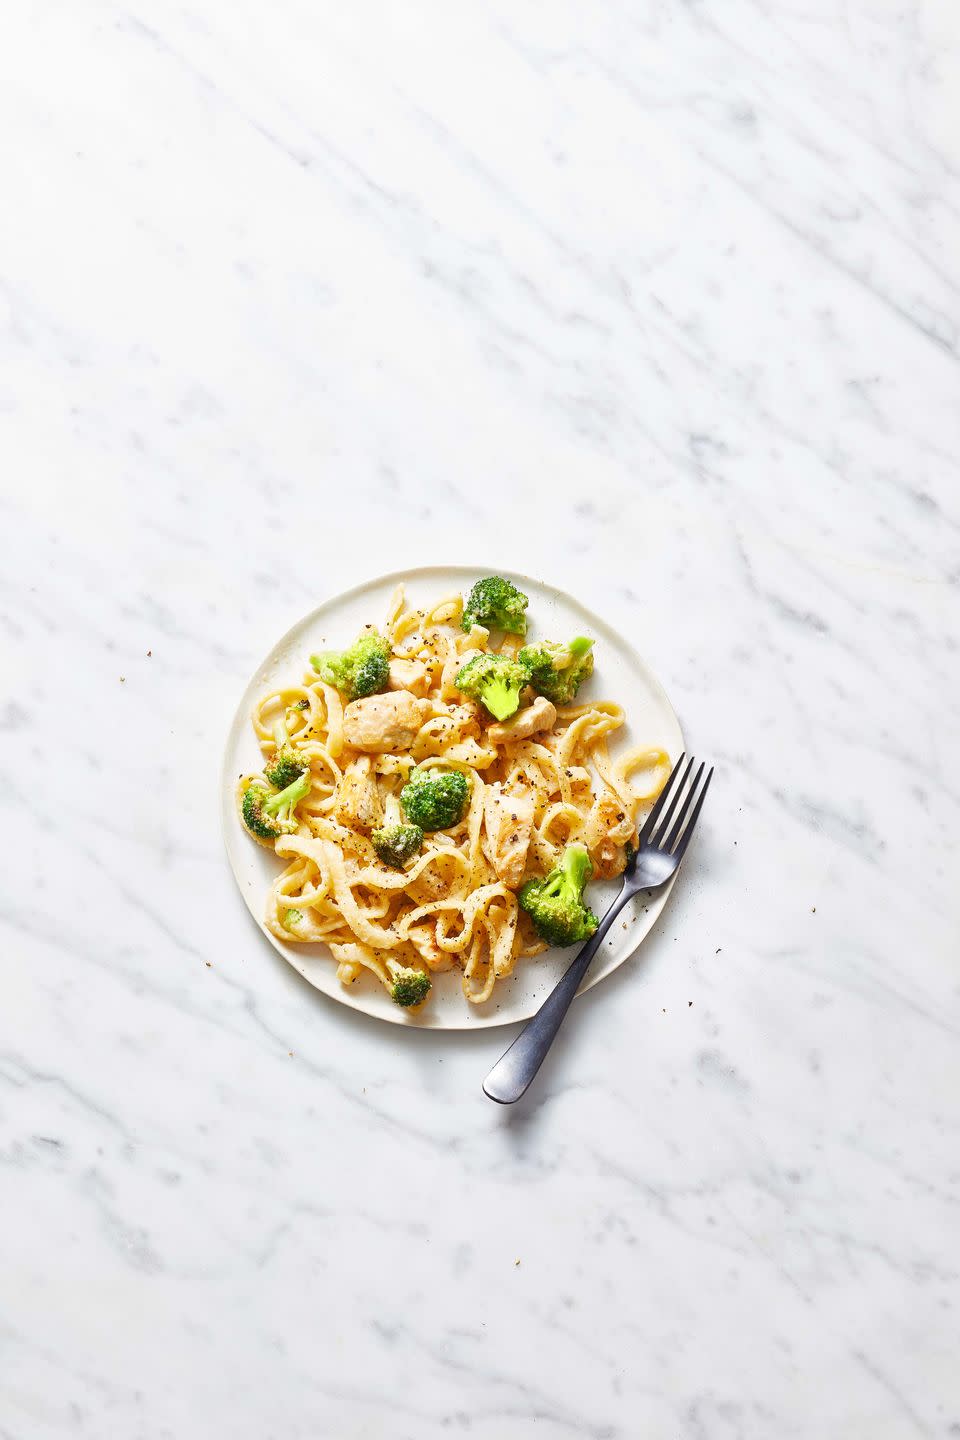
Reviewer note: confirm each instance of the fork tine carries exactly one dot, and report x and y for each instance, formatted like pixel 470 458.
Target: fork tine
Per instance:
pixel 668 841
pixel 676 798
pixel 654 815
pixel 684 839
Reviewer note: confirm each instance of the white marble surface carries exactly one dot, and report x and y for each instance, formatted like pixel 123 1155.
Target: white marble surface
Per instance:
pixel 662 301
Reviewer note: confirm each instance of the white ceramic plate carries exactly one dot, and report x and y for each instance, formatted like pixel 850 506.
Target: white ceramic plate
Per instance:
pixel 620 675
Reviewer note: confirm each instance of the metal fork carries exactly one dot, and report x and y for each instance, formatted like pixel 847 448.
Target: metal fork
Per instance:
pixel 661 843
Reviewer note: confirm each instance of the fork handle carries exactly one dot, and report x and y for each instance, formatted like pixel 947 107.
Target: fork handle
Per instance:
pixel 515 1069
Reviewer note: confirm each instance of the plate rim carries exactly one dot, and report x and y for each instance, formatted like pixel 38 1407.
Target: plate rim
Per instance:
pixel 404 576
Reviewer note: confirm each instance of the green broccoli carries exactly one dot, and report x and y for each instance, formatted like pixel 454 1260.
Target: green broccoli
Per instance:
pixel 287 762
pixel 555 904
pixel 362 670
pixel 410 987
pixel 558 671
pixel 497 605
pixel 396 843
pixel 268 814
pixel 291 919
pixel 497 680
pixel 435 799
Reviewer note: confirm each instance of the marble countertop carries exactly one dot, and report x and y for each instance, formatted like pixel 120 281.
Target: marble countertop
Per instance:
pixel 660 302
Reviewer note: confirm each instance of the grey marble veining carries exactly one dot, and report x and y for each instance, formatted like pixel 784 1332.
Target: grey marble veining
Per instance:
pixel 661 302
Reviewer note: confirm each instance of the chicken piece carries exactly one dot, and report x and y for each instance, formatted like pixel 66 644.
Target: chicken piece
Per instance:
pixel 424 941
pixel 358 799
pixel 508 820
pixel 409 675
pixel 380 723
pixel 607 830
pixel 541 715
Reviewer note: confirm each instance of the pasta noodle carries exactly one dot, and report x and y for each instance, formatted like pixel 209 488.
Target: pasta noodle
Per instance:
pixel 455 904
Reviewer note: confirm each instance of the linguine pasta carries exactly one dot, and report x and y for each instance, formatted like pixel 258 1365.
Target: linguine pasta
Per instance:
pixel 538 781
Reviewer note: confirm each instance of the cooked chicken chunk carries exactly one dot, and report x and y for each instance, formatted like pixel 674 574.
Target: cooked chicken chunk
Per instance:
pixel 358 800
pixel 409 675
pixel 606 833
pixel 531 720
pixel 424 940
pixel 508 819
pixel 384 722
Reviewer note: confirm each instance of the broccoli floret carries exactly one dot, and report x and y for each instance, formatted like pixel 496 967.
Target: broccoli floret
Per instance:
pixel 287 765
pixel 496 680
pixel 410 987
pixel 287 762
pixel 362 670
pixel 291 919
pixel 555 904
pixel 435 799
pixel 268 814
pixel 395 842
pixel 497 605
pixel 558 671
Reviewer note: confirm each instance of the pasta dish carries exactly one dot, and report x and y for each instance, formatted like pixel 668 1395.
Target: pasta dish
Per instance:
pixel 440 796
